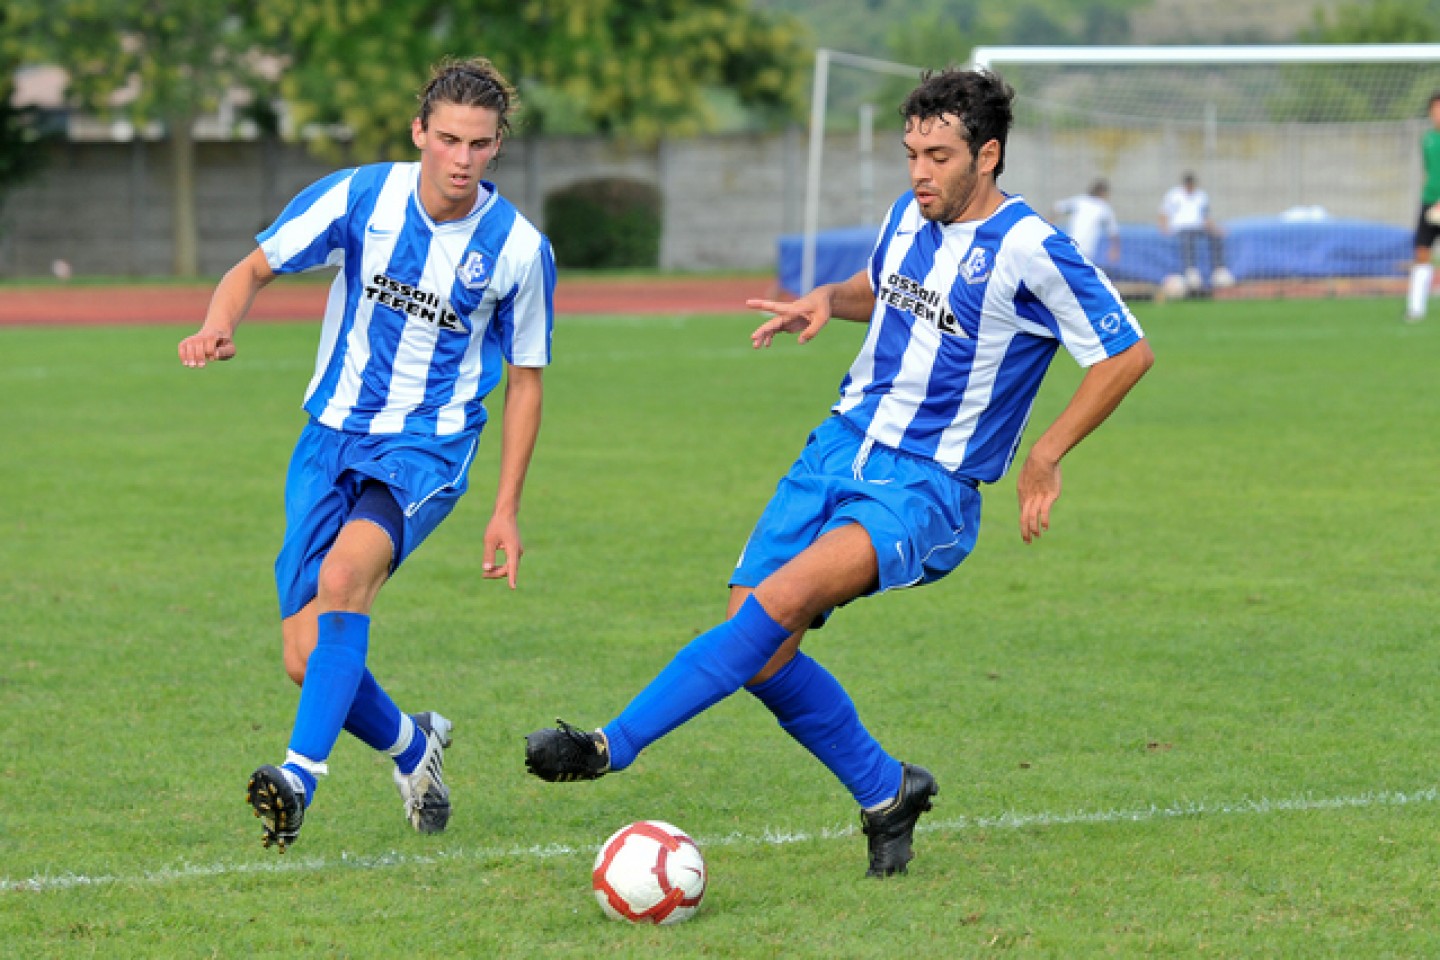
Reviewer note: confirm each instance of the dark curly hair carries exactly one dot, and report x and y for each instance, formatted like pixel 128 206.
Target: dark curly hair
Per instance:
pixel 468 83
pixel 979 99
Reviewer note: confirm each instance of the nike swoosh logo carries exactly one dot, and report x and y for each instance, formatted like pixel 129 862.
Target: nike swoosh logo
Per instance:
pixel 375 231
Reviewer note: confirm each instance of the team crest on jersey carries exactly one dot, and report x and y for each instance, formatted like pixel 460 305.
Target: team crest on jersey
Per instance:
pixel 976 267
pixel 472 272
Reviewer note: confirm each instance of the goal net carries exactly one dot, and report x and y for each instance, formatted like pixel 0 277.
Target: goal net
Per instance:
pixel 1310 155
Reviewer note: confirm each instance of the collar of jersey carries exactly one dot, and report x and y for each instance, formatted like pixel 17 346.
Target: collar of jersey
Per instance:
pixel 465 222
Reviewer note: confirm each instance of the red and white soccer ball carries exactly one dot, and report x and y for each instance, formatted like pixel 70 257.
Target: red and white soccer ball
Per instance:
pixel 649 872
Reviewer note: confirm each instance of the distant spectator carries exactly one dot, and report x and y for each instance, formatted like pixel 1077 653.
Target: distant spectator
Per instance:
pixel 1427 229
pixel 1185 212
pixel 1091 220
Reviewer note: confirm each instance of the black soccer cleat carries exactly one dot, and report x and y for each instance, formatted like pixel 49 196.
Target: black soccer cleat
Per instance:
pixel 567 753
pixel 280 807
pixel 890 830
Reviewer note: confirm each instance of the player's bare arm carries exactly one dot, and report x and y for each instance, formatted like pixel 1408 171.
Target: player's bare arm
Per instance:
pixel 215 340
pixel 851 299
pixel 520 428
pixel 1103 387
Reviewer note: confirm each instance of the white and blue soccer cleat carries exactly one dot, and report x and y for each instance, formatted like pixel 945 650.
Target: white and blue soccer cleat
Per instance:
pixel 427 799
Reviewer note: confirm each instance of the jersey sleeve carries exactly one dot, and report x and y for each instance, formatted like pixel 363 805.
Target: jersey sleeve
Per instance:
pixel 530 312
pixel 1082 308
pixel 310 231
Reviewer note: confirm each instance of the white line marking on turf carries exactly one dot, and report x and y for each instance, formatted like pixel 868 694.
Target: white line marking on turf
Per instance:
pixel 1006 821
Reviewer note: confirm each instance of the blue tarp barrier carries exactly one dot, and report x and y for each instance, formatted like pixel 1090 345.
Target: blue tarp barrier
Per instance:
pixel 1256 248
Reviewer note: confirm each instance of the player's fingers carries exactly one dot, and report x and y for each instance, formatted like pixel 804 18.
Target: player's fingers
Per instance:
pixel 812 328
pixel 224 349
pixel 193 352
pixel 764 334
pixel 770 306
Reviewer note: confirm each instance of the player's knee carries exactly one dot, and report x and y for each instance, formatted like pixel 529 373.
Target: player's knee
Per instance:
pixel 345 584
pixel 295 665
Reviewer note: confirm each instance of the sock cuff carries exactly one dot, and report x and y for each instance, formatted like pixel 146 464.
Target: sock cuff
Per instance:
pixel 342 628
pixel 778 685
pixel 315 768
pixel 405 737
pixel 756 622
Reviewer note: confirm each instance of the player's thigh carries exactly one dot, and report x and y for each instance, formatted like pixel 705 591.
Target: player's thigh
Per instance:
pixel 838 567
pixel 802 503
pixel 922 521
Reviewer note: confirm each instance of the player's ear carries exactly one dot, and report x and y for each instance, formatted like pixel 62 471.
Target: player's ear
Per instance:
pixel 417 133
pixel 989 156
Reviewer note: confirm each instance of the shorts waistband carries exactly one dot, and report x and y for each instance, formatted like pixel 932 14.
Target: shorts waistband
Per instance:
pixel 896 451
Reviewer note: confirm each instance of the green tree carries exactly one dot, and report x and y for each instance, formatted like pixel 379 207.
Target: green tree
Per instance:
pixel 642 70
pixel 1398 91
pixel 1378 21
pixel 149 60
pixel 21 153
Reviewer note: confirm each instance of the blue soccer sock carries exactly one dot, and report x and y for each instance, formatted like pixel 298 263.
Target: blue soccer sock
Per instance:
pixel 332 676
pixel 707 670
pixel 814 709
pixel 374 719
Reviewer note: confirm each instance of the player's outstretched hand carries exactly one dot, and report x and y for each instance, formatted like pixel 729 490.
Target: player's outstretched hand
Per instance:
pixel 804 318
pixel 503 550
pixel 200 348
pixel 1038 488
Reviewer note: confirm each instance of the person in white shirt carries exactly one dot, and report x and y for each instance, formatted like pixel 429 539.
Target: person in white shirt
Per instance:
pixel 1185 212
pixel 1091 220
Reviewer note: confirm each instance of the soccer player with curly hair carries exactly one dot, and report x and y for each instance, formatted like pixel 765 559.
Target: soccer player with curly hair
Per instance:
pixel 968 294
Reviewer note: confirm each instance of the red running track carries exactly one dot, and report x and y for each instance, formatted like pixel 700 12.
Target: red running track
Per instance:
pixel 293 300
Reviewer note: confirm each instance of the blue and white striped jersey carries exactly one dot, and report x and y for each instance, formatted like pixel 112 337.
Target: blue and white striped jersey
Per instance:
pixel 967 318
pixel 422 315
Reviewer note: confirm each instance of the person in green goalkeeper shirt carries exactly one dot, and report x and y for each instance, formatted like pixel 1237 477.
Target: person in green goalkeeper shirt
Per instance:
pixel 1422 272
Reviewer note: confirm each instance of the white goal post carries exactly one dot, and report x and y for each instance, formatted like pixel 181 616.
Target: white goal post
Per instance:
pixel 819 103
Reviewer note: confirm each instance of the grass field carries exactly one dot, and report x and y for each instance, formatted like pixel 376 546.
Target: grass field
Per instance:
pixel 1197 719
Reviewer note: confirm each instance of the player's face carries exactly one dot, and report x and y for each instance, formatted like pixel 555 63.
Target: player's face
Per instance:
pixel 1435 114
pixel 949 181
pixel 455 147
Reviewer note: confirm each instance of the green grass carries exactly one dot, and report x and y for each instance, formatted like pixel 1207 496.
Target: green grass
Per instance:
pixel 1198 718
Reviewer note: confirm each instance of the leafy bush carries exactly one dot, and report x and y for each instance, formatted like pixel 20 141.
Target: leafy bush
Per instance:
pixel 605 222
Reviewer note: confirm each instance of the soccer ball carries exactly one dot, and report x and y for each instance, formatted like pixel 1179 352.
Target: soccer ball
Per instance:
pixel 649 872
pixel 1173 287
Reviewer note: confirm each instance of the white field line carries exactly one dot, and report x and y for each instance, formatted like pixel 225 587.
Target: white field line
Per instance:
pixel 769 837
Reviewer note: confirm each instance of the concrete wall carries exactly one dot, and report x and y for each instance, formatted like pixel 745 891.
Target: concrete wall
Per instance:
pixel 105 207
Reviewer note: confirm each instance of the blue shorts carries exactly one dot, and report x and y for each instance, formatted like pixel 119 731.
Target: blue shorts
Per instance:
pixel 329 469
pixel 921 519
